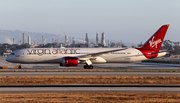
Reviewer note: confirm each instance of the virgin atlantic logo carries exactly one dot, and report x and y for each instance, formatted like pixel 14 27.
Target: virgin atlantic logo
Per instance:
pixel 154 43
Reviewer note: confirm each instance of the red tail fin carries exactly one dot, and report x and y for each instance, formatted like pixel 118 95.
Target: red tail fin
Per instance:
pixel 154 43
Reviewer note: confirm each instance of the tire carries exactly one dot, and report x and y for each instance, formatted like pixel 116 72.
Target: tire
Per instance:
pixel 85 66
pixel 90 67
pixel 19 67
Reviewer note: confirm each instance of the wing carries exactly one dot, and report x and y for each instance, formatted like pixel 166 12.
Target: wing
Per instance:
pixel 94 55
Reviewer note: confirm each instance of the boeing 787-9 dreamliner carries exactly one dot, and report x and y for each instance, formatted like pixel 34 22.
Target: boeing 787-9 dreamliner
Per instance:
pixel 88 56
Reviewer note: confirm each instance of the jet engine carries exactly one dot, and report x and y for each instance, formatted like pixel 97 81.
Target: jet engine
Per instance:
pixel 69 61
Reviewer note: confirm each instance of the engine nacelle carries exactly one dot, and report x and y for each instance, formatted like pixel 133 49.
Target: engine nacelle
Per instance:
pixel 69 61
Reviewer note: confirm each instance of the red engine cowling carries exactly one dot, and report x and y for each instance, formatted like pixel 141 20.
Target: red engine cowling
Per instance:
pixel 69 61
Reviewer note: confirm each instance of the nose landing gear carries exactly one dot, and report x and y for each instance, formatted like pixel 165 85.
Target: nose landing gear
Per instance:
pixel 19 67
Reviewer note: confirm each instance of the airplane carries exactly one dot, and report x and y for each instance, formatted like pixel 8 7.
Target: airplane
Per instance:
pixel 69 57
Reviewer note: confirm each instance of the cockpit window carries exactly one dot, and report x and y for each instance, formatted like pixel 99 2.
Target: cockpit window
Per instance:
pixel 12 54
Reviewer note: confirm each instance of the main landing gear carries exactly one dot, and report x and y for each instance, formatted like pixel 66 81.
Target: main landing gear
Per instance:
pixel 88 67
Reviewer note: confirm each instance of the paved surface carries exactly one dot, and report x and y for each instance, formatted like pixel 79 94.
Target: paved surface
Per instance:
pixel 91 88
pixel 86 88
pixel 20 74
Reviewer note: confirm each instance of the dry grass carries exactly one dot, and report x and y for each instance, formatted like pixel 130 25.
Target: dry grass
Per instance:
pixel 88 80
pixel 90 97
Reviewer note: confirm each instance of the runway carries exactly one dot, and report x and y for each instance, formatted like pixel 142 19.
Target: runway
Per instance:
pixel 90 88
pixel 144 74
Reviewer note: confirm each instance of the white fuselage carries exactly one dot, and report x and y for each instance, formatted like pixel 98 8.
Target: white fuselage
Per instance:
pixel 55 55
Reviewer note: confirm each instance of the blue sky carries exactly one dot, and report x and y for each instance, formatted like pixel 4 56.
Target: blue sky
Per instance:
pixel 131 21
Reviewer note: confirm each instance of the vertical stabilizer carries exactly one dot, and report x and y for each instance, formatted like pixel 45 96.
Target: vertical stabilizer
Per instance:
pixel 154 42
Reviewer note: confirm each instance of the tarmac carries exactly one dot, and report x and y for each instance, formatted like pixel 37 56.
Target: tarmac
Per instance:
pixel 90 88
pixel 143 74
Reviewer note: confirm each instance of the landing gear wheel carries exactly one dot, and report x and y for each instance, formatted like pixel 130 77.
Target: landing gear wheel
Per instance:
pixel 19 67
pixel 88 67
pixel 85 66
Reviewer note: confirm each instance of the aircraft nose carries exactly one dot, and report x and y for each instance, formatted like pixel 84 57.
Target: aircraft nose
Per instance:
pixel 7 58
